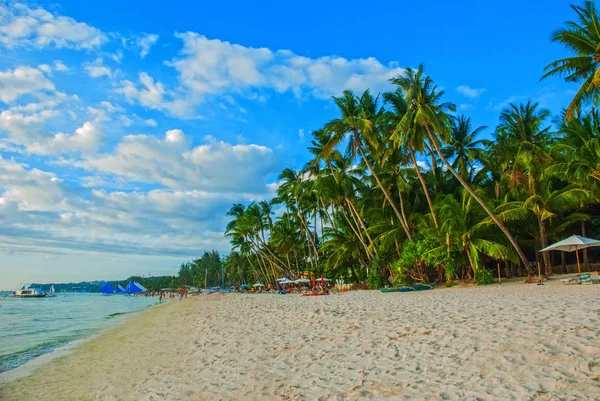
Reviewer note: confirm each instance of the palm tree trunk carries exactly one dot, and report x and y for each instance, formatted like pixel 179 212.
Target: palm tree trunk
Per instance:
pixel 424 185
pixel 495 218
pixel 507 269
pixel 296 257
pixel 402 206
pixel 304 222
pixel 433 169
pixel 258 250
pixel 357 233
pixel 585 251
pixel 385 192
pixel 364 227
pixel 544 243
pixel 327 214
pixel 471 261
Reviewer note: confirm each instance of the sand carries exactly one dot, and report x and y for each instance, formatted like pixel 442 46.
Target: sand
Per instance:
pixel 515 342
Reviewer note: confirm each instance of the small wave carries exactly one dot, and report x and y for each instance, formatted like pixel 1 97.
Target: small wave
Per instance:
pixel 11 361
pixel 116 314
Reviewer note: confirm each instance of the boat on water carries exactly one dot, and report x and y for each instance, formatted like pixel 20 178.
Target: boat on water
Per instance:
pixel 51 293
pixel 26 292
pixel 109 289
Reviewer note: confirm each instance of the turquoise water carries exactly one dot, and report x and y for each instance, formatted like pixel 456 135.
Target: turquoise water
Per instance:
pixel 32 327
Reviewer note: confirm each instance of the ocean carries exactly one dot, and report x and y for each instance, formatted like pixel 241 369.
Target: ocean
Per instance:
pixel 33 327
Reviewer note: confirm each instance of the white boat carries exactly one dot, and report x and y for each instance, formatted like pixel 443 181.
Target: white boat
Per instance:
pixel 51 293
pixel 26 292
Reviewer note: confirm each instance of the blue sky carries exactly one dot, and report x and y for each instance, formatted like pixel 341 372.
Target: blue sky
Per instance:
pixel 128 128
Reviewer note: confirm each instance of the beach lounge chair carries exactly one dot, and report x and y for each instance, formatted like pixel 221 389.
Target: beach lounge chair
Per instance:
pixel 572 280
pixel 422 287
pixel 590 279
pixel 412 288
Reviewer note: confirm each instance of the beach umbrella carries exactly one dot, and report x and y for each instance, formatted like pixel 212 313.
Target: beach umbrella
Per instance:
pixel 283 279
pixel 573 243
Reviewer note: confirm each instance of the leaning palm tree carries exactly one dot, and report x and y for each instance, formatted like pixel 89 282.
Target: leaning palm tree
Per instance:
pixel 427 111
pixel 411 139
pixel 357 124
pixel 582 39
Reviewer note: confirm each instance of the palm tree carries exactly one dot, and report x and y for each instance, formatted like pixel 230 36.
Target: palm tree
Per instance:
pixel 426 110
pixel 527 142
pixel 354 122
pixel 582 39
pixel 465 225
pixel 409 138
pixel 463 147
pixel 547 203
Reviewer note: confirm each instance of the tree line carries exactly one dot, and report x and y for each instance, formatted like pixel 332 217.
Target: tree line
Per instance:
pixel 400 188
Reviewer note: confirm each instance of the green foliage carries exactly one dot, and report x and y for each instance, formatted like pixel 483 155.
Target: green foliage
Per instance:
pixel 378 272
pixel 362 201
pixel 484 277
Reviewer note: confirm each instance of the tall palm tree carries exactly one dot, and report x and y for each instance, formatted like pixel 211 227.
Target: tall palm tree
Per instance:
pixel 411 139
pixel 527 141
pixel 427 111
pixel 357 125
pixel 582 39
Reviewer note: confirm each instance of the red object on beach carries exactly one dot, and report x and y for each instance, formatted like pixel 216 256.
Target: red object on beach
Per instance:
pixel 314 281
pixel 322 281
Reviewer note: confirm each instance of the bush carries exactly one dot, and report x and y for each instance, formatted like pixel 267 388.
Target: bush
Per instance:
pixel 423 260
pixel 377 277
pixel 483 276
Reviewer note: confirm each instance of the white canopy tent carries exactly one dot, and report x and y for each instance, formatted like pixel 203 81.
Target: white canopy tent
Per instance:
pixel 573 243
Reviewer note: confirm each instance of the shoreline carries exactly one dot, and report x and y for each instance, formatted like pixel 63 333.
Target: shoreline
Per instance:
pixel 29 367
pixel 519 341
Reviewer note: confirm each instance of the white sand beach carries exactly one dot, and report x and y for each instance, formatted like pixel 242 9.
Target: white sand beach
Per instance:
pixel 515 342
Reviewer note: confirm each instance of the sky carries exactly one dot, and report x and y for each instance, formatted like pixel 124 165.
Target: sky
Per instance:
pixel 129 128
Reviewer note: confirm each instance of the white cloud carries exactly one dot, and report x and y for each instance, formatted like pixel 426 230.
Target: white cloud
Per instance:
pixel 465 106
pixel 97 69
pixel 29 189
pixel 150 122
pixel 21 81
pixel 214 67
pixel 111 108
pixel 126 121
pixel 59 66
pixel 160 221
pixel 301 133
pixel 145 42
pixel 85 139
pixel 175 136
pixel 153 95
pixel 45 68
pixel 471 93
pixel 497 106
pixel 25 128
pixel 24 26
pixel 171 162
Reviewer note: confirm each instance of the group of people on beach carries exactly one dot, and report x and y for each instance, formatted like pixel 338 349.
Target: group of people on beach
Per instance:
pixel 172 294
pixel 286 288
